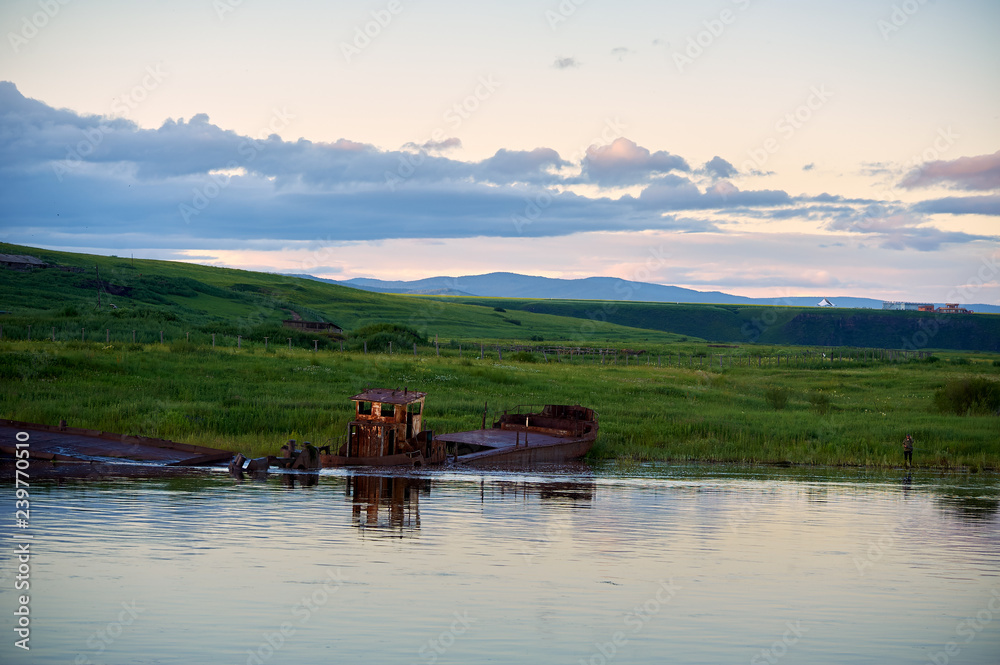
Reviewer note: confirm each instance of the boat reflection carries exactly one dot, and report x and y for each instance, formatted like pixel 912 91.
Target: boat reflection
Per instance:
pixel 386 503
pixel 293 480
pixel 391 504
pixel 574 493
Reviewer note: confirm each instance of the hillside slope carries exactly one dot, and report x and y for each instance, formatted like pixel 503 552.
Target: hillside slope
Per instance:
pixel 178 298
pixel 513 285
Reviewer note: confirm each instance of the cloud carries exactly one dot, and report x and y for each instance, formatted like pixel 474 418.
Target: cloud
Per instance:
pixel 621 52
pixel 565 63
pixel 898 228
pixel 435 146
pixel 719 168
pixel 622 162
pixel 875 168
pixel 809 167
pixel 520 165
pixel 979 173
pixel 75 180
pixel 678 193
pixel 962 205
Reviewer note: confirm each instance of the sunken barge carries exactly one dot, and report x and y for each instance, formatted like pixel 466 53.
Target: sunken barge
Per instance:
pixel 388 430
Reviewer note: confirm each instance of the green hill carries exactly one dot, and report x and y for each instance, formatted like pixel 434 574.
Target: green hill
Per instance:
pixel 150 296
pixel 793 326
pixel 194 301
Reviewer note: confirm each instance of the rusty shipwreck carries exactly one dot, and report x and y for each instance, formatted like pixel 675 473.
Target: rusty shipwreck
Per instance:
pixel 388 430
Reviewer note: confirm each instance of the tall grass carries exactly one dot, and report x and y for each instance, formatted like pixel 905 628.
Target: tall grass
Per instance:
pixel 252 400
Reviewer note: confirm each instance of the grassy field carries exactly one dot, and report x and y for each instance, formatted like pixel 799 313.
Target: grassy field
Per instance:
pixel 748 403
pixel 252 400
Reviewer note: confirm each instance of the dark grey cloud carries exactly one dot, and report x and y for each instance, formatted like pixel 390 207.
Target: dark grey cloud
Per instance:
pixel 897 227
pixel 436 146
pixel 875 168
pixel 678 193
pixel 981 172
pixel 79 180
pixel 520 165
pixel 566 63
pixel 962 205
pixel 719 168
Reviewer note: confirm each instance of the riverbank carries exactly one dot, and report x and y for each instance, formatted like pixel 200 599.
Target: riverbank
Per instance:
pixel 253 400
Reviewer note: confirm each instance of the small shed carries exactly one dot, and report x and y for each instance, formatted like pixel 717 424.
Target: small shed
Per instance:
pixel 20 262
pixel 314 326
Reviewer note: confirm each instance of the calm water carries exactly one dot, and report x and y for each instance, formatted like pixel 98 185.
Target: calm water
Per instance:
pixel 615 565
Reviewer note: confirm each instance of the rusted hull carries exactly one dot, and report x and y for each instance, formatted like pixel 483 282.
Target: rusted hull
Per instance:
pixel 403 459
pixel 72 444
pixel 551 453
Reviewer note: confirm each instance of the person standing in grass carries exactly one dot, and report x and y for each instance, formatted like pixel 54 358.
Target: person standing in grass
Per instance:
pixel 908 450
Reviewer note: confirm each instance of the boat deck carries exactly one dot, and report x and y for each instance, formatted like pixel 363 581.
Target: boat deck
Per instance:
pixel 499 438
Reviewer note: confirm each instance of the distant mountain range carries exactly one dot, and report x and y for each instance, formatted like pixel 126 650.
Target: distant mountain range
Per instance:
pixel 513 285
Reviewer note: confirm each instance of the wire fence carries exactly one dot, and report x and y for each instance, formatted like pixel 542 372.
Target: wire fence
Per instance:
pixel 512 351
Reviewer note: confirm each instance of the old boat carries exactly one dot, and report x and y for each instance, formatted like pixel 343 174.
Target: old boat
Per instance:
pixel 527 435
pixel 387 430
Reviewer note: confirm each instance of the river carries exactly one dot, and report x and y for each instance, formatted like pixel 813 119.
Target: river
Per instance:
pixel 612 564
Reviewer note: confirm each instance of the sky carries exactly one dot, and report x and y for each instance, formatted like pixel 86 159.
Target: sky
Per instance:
pixel 764 148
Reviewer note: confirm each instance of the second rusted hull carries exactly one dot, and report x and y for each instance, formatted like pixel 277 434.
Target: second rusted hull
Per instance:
pixel 565 450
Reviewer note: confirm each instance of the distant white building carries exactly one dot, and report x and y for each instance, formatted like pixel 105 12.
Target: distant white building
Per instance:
pixel 824 303
pixel 908 306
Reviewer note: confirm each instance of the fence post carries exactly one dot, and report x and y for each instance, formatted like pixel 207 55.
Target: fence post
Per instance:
pixel 366 347
pixel 213 340
pixel 390 348
pixel 265 343
pixel 133 337
pixel 239 341
pixel 83 334
pixel 107 335
pixel 436 347
pixel 161 337
pixel 187 337
pixel 414 349
pixel 53 333
pixel 316 345
pixel 289 343
pixel 29 333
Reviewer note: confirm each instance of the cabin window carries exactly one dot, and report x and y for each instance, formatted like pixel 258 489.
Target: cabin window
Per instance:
pixel 365 408
pixel 414 408
pixel 388 410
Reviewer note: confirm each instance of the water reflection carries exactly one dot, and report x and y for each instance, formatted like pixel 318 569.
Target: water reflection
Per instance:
pixel 970 505
pixel 573 493
pixel 387 503
pixel 542 567
pixel 293 480
pixel 391 504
